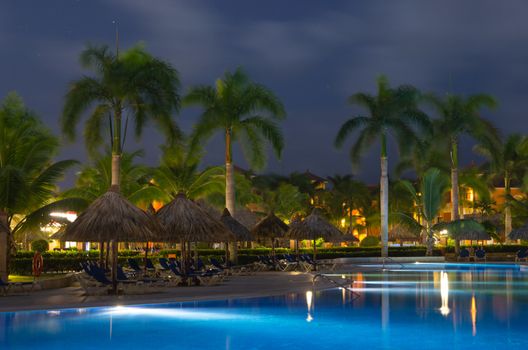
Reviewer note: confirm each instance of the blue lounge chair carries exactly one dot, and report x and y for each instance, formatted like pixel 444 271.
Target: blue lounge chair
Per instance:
pixel 164 263
pixel 134 265
pixel 522 254
pixel 149 265
pixel 480 255
pixel 463 254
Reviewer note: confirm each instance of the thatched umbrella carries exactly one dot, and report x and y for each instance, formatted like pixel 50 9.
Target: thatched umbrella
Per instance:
pixel 247 218
pixel 348 236
pixel 464 229
pixel 239 231
pixel 270 227
pixel 402 233
pixel 312 227
pixel 112 218
pixel 519 233
pixel 185 221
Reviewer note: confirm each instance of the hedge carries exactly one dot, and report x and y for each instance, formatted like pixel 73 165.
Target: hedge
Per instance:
pixel 61 261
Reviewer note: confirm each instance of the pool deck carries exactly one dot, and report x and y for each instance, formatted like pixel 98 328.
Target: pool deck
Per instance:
pixel 260 284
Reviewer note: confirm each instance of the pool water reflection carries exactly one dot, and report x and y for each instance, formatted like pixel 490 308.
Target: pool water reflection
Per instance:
pixel 418 307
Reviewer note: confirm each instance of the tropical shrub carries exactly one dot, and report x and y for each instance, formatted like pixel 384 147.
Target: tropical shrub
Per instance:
pixel 369 241
pixel 40 245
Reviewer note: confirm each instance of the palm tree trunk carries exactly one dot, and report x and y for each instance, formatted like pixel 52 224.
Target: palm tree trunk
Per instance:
pixel 429 240
pixel 230 191
pixel 507 209
pixel 454 187
pixel 116 172
pixel 4 247
pixel 384 199
pixel 116 150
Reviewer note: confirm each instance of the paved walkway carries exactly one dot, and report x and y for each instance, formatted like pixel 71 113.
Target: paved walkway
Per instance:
pixel 261 284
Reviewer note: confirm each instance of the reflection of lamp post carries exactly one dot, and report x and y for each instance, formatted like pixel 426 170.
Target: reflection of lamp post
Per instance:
pixel 309 305
pixel 444 293
pixel 474 314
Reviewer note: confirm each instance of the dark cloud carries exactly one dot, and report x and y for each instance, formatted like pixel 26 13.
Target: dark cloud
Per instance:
pixel 312 53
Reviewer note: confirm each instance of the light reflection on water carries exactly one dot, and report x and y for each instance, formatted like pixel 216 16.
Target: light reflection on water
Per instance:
pixel 421 309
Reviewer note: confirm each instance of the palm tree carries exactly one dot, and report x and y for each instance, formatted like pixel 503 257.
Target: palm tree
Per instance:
pixel 346 196
pixel 28 175
pixel 507 159
pixel 392 110
pixel 429 201
pixel 178 173
pixel 242 111
pixel 94 180
pixel 460 116
pixel 132 84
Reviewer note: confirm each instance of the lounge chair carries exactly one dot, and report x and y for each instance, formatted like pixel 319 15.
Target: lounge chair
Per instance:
pixel 522 255
pixel 134 265
pixel 463 254
pixel 164 263
pixel 149 265
pixel 480 255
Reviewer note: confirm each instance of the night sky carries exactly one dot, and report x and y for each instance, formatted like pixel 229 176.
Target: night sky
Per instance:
pixel 313 54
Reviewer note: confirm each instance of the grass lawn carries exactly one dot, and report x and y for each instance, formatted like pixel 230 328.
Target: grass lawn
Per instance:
pixel 24 278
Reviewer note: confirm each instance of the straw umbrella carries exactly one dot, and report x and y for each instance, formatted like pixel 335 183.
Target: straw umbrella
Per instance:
pixel 270 227
pixel 312 227
pixel 111 218
pixel 239 231
pixel 185 221
pixel 402 233
pixel 247 218
pixel 519 233
pixel 464 229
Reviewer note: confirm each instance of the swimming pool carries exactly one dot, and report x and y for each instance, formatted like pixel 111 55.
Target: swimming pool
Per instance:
pixel 420 306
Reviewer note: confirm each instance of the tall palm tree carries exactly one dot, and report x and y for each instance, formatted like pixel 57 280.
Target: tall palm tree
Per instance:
pixel 130 84
pixel 178 173
pixel 346 196
pixel 94 180
pixel 242 111
pixel 28 175
pixel 507 159
pixel 461 116
pixel 392 110
pixel 429 202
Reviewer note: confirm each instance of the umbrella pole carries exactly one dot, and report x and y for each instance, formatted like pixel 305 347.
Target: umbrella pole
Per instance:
pixel 315 256
pixel 114 266
pixel 273 252
pixel 146 256
pixel 226 253
pixel 101 253
pixel 107 255
pixel 182 257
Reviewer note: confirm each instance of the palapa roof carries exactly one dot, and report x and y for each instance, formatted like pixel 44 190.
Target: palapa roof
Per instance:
pixel 240 232
pixel 112 217
pixel 246 217
pixel 270 227
pixel 348 237
pixel 314 226
pixel 402 233
pixel 519 233
pixel 184 220
pixel 465 229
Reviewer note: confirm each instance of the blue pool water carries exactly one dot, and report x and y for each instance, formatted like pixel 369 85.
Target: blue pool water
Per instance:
pixel 422 306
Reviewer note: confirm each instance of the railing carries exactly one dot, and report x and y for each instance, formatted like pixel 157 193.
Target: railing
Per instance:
pixel 391 260
pixel 342 285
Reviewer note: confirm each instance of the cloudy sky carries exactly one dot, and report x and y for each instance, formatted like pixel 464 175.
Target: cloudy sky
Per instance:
pixel 313 54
